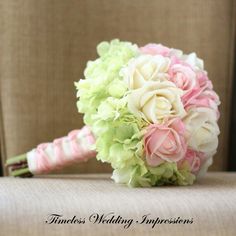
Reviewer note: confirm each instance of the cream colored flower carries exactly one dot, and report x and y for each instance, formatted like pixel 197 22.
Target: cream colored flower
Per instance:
pixel 156 101
pixel 208 162
pixel 145 68
pixel 202 129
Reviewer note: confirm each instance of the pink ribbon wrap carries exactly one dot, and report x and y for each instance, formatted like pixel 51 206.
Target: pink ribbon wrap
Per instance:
pixel 77 146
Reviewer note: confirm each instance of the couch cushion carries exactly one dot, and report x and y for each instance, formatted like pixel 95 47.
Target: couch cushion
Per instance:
pixel 26 203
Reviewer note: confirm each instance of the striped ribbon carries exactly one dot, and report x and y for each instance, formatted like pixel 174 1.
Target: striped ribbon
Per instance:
pixel 77 146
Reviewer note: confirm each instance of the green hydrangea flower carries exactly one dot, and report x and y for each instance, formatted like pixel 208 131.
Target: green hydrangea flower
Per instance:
pixel 102 79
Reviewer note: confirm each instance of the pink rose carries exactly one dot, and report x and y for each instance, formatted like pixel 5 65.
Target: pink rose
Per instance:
pixel 155 49
pixel 203 80
pixel 194 160
pixel 195 98
pixel 165 142
pixel 202 96
pixel 183 76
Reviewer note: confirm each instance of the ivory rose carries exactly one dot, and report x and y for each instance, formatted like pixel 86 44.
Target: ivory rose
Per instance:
pixel 205 165
pixel 145 68
pixel 156 101
pixel 202 129
pixel 165 142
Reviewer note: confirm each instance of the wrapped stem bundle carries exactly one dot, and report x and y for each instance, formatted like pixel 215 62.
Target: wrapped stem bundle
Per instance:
pixel 77 146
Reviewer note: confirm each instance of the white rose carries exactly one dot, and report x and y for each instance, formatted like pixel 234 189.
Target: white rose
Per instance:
pixel 156 100
pixel 202 129
pixel 194 61
pixel 208 162
pixel 145 68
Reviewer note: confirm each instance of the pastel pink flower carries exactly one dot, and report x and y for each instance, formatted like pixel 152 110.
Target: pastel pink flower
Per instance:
pixel 195 98
pixel 203 80
pixel 194 159
pixel 175 60
pixel 165 142
pixel 201 98
pixel 155 49
pixel 183 76
pixel 203 95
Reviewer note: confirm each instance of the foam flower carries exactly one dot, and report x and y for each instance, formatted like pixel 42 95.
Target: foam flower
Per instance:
pixel 159 49
pixel 155 101
pixel 165 142
pixel 192 60
pixel 193 159
pixel 202 129
pixel 145 68
pixel 184 77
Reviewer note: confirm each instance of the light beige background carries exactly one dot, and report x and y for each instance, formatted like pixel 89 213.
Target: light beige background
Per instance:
pixel 44 46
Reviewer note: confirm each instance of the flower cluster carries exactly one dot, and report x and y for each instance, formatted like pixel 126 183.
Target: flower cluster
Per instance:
pixel 153 112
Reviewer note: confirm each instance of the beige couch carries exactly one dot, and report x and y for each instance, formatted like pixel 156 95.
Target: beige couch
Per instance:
pixel 26 203
pixel 44 46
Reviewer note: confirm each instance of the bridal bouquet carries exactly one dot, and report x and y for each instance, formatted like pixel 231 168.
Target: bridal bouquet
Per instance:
pixel 151 112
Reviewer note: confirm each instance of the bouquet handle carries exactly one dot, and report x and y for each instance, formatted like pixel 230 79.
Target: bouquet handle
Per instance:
pixel 77 146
